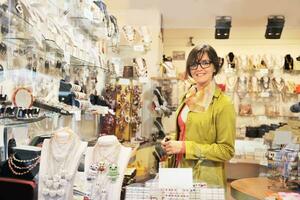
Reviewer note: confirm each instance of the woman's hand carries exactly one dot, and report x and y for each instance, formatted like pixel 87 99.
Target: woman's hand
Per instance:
pixel 173 147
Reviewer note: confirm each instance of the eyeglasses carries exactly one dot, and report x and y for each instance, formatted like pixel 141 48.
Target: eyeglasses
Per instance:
pixel 203 64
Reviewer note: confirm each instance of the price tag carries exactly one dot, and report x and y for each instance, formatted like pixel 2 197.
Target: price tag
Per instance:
pixel 139 48
pixel 265 94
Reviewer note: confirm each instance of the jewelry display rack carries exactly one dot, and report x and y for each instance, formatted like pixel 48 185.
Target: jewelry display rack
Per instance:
pixel 57 40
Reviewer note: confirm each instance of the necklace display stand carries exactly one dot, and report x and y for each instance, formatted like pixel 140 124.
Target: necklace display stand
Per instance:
pixel 105 164
pixel 288 62
pixel 231 61
pixel 244 62
pixel 59 162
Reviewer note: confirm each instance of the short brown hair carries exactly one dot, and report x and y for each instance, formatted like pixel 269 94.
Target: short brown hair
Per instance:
pixel 197 53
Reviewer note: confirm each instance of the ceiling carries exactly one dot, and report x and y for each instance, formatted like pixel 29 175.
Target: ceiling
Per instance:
pixel 202 13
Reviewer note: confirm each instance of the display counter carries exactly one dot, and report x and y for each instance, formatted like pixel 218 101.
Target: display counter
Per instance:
pixel 254 188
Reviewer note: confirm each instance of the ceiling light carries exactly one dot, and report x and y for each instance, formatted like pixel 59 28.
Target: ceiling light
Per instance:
pixel 274 26
pixel 223 25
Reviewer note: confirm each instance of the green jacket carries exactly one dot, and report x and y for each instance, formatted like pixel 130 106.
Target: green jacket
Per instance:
pixel 210 138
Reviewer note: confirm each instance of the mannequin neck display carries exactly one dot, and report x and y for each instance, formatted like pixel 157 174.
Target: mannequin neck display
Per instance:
pixel 105 164
pixel 242 85
pixel 59 161
pixel 255 61
pixel 22 164
pixel 278 83
pixel 140 67
pixel 243 62
pixel 254 84
pixel 288 62
pixel 170 70
pixel 231 60
pixel 265 82
pixel 107 141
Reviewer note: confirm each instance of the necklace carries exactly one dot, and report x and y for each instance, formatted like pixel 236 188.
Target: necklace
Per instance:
pixel 24 161
pixel 59 169
pixel 141 67
pixel 15 168
pixel 103 170
pixel 231 82
pixel 278 84
pixel 129 33
pixel 265 82
pixel 242 86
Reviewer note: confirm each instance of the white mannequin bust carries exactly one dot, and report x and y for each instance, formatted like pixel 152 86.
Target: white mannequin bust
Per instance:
pixel 108 145
pixel 243 60
pixel 59 162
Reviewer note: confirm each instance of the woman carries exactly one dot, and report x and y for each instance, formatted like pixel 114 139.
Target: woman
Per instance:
pixel 205 122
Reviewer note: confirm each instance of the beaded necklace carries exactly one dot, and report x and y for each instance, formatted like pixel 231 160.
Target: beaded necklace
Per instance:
pixel 14 168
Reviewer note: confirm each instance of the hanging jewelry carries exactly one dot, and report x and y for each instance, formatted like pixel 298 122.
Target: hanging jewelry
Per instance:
pixel 265 82
pixel 231 82
pixel 129 33
pixel 242 86
pixel 140 67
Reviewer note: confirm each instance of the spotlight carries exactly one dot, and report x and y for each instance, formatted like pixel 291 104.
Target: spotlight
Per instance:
pixel 223 25
pixel 274 26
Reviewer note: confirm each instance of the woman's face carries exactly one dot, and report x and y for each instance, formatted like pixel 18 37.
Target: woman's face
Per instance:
pixel 203 73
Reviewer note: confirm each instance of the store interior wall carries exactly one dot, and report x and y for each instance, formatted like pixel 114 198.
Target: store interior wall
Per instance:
pixel 242 41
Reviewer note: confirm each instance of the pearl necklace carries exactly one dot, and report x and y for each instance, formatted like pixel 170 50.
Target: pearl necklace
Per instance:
pixel 103 171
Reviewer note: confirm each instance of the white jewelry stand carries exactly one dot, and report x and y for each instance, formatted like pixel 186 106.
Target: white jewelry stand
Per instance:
pixel 74 162
pixel 108 142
